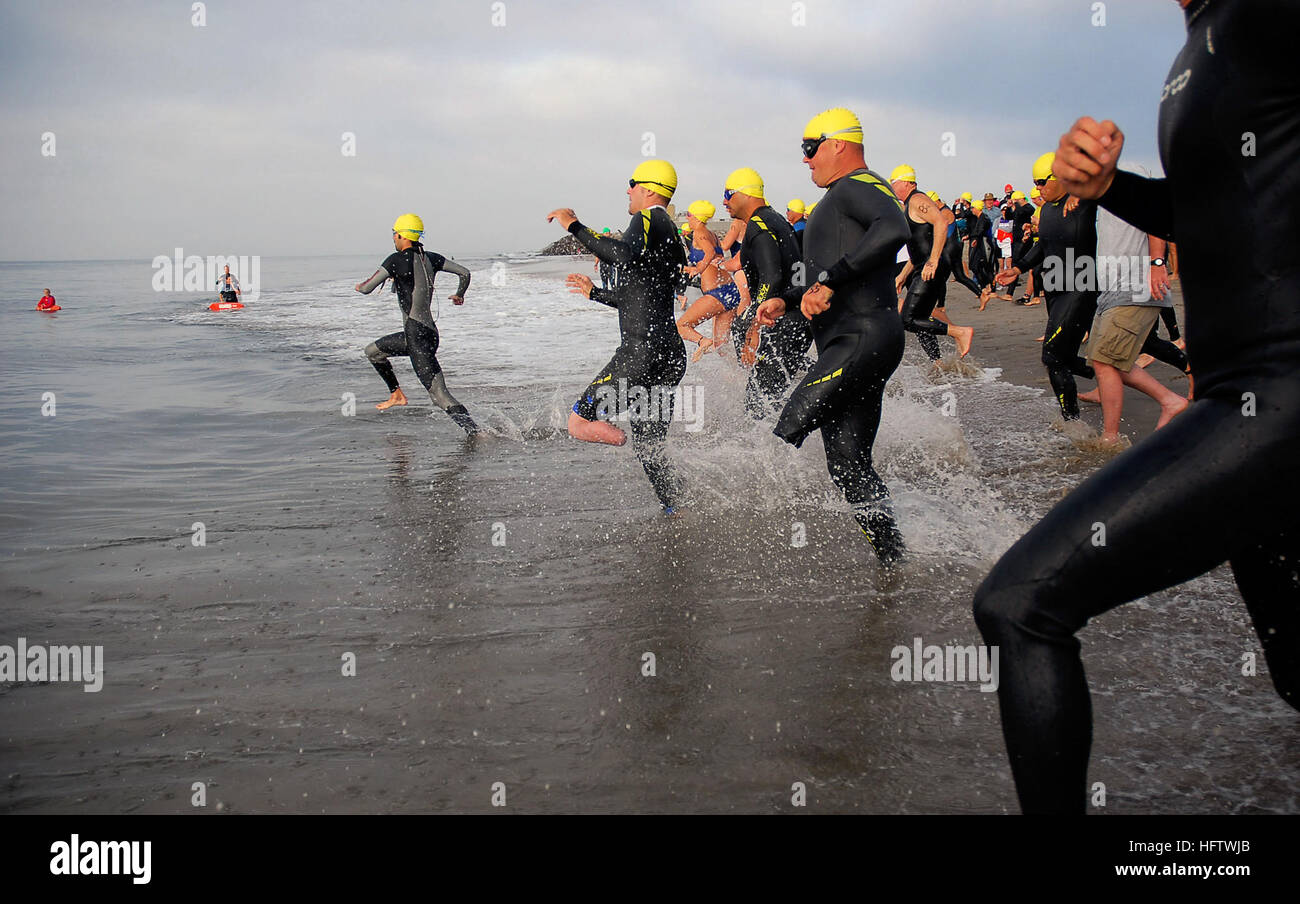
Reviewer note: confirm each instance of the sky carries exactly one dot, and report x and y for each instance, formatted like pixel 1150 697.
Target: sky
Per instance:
pixel 482 116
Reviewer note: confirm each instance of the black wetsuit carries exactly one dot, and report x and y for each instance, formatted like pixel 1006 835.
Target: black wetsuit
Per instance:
pixel 770 257
pixel 651 359
pixel 952 254
pixel 412 273
pixel 992 253
pixel 1214 484
pixel 977 227
pixel 1170 317
pixel 923 295
pixel 851 247
pixel 1022 217
pixel 1065 241
pixel 1038 270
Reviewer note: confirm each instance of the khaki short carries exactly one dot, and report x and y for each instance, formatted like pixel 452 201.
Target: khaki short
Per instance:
pixel 1119 333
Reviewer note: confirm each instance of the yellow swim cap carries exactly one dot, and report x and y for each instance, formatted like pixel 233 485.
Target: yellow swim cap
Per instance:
pixel 1035 193
pixel 797 206
pixel 837 123
pixel 657 175
pixel 1017 196
pixel 966 196
pixel 811 208
pixel 977 206
pixel 409 227
pixel 747 182
pixel 701 210
pixel 1043 166
pixel 933 196
pixel 903 173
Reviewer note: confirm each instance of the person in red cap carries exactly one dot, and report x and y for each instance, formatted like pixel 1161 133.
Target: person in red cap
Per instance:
pixel 47 302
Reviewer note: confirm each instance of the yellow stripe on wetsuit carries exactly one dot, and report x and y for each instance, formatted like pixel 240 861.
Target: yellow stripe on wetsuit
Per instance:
pixel 827 378
pixel 868 179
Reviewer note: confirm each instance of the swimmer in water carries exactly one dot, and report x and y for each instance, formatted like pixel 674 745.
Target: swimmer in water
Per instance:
pixel 412 269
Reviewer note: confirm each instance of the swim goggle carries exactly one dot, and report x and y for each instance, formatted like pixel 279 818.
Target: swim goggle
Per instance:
pixel 633 183
pixel 810 146
pixel 729 193
pixel 1041 182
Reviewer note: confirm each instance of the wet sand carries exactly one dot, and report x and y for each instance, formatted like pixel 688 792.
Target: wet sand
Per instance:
pixel 523 661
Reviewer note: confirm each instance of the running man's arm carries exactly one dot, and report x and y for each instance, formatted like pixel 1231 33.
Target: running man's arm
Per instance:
pixel 1145 203
pixel 376 280
pixel 611 250
pixel 886 232
pixel 450 266
pixel 932 214
pixel 1031 256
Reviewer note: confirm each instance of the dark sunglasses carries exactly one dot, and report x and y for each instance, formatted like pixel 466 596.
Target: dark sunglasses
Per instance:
pixel 810 146
pixel 1041 182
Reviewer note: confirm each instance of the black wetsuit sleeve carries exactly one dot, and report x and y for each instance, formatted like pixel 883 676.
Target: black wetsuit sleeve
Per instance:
pixel 1032 257
pixel 1145 203
pixel 452 267
pixel 611 250
pixel 886 232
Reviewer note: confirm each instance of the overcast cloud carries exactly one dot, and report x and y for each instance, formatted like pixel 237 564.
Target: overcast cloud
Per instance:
pixel 227 138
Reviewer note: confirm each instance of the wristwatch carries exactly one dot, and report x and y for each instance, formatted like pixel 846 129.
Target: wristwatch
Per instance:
pixel 1157 261
pixel 823 276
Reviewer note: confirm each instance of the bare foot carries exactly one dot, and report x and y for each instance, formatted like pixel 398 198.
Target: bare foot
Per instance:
pixel 1170 411
pixel 705 345
pixel 1092 395
pixel 1040 338
pixel 962 335
pixel 1030 304
pixel 397 398
pixel 984 299
pixel 595 431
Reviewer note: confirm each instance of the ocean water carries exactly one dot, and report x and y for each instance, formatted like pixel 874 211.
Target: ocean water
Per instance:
pixel 502 599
